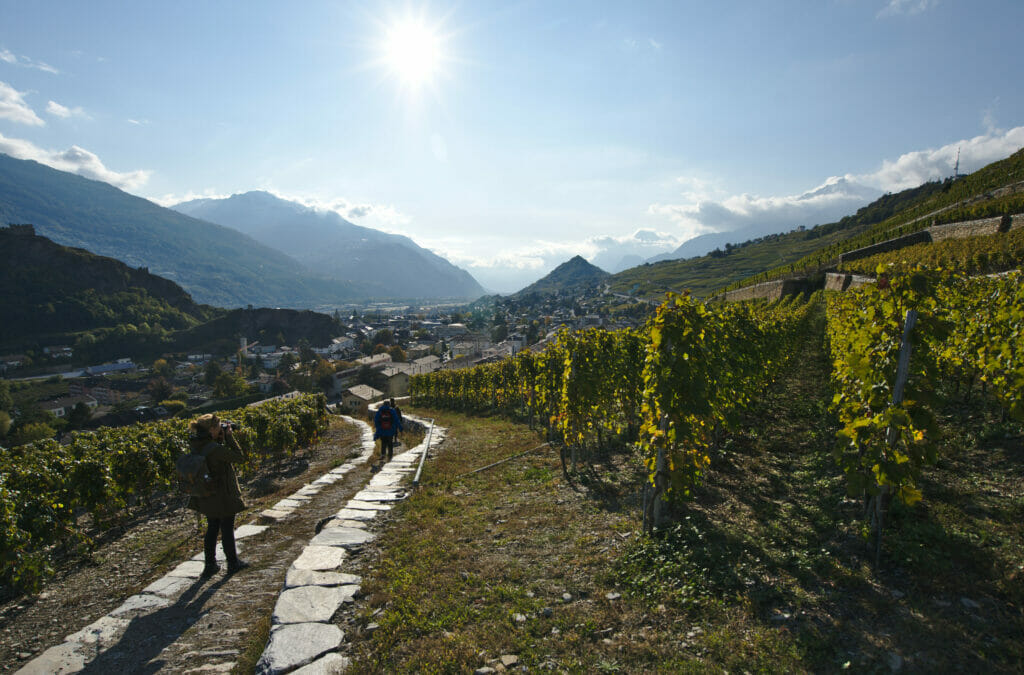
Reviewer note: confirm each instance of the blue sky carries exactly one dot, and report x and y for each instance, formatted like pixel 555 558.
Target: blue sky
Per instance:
pixel 519 134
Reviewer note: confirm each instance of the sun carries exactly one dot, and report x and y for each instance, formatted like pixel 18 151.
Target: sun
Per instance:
pixel 413 51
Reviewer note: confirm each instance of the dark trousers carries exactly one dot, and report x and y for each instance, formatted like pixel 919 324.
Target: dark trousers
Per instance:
pixel 226 528
pixel 387 447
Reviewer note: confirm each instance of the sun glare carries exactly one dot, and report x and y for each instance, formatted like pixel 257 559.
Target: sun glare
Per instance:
pixel 412 51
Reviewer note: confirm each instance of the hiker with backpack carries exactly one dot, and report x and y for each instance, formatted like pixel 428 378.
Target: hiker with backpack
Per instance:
pixel 386 424
pixel 398 413
pixel 216 494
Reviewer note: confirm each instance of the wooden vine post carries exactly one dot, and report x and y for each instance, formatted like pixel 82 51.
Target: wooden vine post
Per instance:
pixel 876 507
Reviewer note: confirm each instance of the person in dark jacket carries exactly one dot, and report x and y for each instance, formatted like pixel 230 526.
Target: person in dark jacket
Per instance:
pixel 386 425
pixel 214 439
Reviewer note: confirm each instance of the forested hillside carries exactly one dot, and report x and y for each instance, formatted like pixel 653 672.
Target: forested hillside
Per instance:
pixel 53 290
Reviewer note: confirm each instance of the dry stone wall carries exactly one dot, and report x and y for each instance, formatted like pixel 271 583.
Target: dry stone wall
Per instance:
pixel 969 228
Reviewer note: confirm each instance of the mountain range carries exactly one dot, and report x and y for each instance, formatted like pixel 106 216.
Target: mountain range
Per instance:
pixel 215 264
pixel 333 247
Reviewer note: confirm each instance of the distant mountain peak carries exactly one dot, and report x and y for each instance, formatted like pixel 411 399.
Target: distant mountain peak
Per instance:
pixel 572 274
pixel 335 248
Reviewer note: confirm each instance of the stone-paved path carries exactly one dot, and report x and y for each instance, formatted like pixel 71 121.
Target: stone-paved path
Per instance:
pixel 182 623
pixel 316 586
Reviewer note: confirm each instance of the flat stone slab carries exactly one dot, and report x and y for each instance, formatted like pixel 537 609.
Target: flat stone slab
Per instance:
pixel 355 514
pixel 106 631
pixel 327 479
pixel 342 470
pixel 376 496
pixel 190 569
pixel 287 503
pixel 297 644
pixel 168 586
pixel 335 522
pixel 309 490
pixel 298 577
pixel 320 558
pixel 360 505
pixel 140 604
pixel 64 658
pixel 342 536
pixel 330 664
pixel 386 480
pixel 311 603
pixel 248 530
pixel 276 514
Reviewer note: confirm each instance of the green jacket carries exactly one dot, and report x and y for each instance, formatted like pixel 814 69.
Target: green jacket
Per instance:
pixel 227 499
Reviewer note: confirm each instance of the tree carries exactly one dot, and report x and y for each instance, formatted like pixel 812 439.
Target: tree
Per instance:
pixel 397 354
pixel 532 333
pixel 212 372
pixel 287 361
pixel 159 389
pixel 229 386
pixel 162 368
pixel 5 423
pixel 499 333
pixel 371 377
pixel 33 431
pixel 6 400
pixel 306 353
pixel 80 414
pixel 383 337
pixel 323 374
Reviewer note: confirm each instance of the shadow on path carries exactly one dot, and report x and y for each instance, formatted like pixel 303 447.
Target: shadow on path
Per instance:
pixel 147 636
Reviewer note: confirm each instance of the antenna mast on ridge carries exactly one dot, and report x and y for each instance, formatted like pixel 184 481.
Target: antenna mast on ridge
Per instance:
pixel 956 167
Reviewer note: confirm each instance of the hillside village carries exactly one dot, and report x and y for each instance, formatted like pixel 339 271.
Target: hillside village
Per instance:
pixel 374 358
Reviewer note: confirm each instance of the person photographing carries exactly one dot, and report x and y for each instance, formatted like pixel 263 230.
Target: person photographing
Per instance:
pixel 213 439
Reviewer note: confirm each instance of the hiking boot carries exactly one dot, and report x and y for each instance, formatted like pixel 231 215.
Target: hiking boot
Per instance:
pixel 209 570
pixel 237 566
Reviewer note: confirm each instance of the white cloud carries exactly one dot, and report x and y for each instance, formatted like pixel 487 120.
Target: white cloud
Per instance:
pixel 378 216
pixel 615 254
pixel 382 217
pixel 703 209
pixel 75 160
pixel 914 168
pixel 170 199
pixel 908 7
pixel 7 56
pixel 828 202
pixel 14 108
pixel 58 110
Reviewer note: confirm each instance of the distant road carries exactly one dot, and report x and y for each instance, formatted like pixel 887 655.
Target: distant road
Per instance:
pixel 70 373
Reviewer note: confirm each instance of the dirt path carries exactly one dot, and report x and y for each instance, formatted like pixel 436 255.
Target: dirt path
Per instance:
pixel 213 623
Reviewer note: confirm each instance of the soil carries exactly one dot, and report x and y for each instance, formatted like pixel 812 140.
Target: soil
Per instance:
pixel 217 621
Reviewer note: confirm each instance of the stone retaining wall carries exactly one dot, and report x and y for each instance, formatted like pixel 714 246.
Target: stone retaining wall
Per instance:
pixel 842 282
pixel 920 237
pixel 969 228
pixel 769 290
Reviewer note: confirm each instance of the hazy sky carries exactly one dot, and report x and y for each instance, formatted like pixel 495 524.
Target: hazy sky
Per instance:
pixel 509 136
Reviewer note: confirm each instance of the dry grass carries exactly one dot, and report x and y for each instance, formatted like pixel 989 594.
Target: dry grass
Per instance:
pixel 766 570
